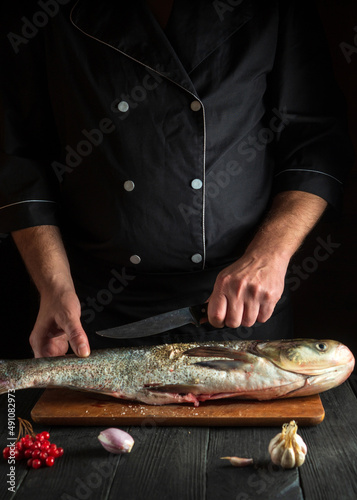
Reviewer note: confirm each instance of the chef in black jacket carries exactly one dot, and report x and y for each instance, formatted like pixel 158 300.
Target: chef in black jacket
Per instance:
pixel 181 151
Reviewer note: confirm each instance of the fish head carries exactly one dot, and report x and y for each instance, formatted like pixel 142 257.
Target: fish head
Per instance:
pixel 309 357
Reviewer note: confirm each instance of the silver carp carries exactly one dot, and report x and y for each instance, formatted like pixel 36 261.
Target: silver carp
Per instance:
pixel 192 372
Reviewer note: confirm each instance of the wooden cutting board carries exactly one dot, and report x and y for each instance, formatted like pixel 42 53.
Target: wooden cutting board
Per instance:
pixel 70 407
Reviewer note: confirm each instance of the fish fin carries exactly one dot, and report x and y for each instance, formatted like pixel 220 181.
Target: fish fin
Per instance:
pixel 175 388
pixel 218 352
pixel 220 364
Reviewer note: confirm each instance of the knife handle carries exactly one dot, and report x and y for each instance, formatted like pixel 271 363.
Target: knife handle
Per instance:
pixel 199 313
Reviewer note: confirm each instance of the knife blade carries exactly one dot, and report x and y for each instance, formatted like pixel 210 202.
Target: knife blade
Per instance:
pixel 158 324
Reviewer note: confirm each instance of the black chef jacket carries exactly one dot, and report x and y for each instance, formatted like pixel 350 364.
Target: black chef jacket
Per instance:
pixel 158 151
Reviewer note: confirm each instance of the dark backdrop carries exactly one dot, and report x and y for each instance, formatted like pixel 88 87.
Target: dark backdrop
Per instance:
pixel 325 303
pixel 324 291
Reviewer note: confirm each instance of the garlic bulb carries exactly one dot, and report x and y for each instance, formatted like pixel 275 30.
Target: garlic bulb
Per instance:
pixel 288 448
pixel 116 440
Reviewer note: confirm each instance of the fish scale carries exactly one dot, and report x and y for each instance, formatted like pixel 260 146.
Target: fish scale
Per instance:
pixel 192 372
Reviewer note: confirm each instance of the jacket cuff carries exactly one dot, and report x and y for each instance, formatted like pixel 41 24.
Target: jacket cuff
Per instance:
pixel 28 213
pixel 319 183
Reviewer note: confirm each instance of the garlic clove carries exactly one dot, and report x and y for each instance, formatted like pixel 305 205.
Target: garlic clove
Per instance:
pixel 275 441
pixel 116 441
pixel 288 459
pixel 239 462
pixel 301 443
pixel 277 453
pixel 299 458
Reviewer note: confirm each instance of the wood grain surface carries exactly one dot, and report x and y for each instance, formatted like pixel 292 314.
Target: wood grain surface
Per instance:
pixel 179 463
pixel 70 407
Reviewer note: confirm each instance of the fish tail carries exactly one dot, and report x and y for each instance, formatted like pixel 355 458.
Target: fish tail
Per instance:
pixel 3 387
pixel 13 374
pixel 5 382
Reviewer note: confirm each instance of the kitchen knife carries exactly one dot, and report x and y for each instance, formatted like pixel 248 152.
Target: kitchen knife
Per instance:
pixel 158 324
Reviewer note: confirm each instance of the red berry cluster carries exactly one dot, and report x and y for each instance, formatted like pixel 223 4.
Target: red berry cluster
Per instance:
pixel 37 451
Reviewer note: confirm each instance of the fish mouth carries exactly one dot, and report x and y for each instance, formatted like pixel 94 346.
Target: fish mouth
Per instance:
pixel 346 354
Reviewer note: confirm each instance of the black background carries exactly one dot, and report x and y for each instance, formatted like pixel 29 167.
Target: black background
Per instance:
pixel 325 302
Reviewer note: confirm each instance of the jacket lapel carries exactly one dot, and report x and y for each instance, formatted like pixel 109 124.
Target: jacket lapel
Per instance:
pixel 199 27
pixel 129 27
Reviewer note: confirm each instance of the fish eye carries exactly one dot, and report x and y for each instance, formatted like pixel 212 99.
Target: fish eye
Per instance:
pixel 321 346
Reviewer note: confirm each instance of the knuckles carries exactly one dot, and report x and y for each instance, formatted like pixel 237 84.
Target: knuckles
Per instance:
pixel 248 322
pixel 216 320
pixel 252 288
pixel 232 323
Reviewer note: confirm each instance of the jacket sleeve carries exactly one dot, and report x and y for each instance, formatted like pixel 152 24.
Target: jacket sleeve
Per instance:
pixel 27 133
pixel 313 151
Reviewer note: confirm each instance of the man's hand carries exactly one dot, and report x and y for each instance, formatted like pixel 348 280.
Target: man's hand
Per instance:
pixel 58 320
pixel 58 323
pixel 248 290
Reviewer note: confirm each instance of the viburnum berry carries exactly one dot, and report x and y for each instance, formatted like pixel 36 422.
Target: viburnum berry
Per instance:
pixel 27 443
pixel 50 461
pixel 36 453
pixel 36 463
pixel 37 450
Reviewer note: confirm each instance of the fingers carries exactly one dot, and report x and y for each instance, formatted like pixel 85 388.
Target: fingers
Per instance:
pixel 250 313
pixel 46 344
pixel 69 320
pixel 242 301
pixel 78 340
pixel 236 312
pixel 72 332
pixel 217 310
pixel 266 310
pixel 43 346
pixel 57 326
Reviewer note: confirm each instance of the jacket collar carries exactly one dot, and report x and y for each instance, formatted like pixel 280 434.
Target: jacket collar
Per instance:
pixel 130 28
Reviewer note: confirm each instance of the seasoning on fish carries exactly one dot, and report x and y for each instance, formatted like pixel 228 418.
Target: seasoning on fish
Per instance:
pixel 192 372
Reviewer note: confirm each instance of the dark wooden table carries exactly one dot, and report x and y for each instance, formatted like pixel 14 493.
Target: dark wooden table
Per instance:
pixel 183 463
